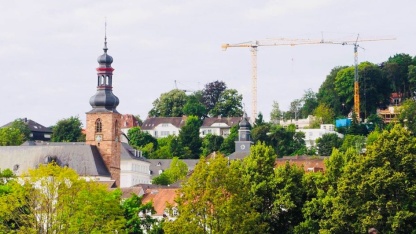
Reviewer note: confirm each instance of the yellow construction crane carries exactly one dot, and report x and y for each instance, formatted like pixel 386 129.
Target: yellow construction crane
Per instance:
pixel 356 78
pixel 253 45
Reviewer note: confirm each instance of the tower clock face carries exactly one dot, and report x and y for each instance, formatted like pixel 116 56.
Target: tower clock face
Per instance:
pixel 242 147
pixel 98 138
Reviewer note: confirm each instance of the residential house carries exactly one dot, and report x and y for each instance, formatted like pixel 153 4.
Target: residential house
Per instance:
pixel 219 126
pixel 299 123
pixel 163 200
pixel 163 126
pixel 312 134
pixel 38 132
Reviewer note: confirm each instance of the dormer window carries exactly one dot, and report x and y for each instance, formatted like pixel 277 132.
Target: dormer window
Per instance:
pixel 98 126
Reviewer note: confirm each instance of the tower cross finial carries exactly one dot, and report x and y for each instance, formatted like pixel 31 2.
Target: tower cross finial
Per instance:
pixel 105 35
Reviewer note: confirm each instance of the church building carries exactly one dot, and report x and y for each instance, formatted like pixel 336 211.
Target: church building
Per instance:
pixel 99 158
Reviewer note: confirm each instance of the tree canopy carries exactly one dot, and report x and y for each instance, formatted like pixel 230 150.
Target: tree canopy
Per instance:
pixel 68 130
pixel 52 199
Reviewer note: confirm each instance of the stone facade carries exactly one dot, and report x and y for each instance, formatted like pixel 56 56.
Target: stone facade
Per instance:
pixel 107 140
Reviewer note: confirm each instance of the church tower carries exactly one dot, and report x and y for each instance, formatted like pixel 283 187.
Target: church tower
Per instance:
pixel 103 121
pixel 244 138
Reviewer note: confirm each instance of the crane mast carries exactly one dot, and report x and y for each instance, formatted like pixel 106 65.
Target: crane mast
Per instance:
pixel 253 45
pixel 356 84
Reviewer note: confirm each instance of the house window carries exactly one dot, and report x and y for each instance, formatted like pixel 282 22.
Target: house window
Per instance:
pixel 164 133
pixel 165 125
pixel 175 211
pixel 98 126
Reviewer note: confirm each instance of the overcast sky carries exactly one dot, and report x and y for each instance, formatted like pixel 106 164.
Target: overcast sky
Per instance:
pixel 48 49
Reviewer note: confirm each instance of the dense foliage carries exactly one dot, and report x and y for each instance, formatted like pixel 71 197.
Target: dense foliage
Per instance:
pixel 68 130
pixel 357 191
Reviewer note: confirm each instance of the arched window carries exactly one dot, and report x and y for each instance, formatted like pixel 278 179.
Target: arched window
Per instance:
pixel 98 126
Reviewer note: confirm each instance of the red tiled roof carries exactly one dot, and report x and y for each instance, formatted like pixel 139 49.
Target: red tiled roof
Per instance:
pixel 316 163
pixel 160 198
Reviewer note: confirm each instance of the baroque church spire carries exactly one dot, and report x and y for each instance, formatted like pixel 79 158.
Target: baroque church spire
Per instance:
pixel 104 100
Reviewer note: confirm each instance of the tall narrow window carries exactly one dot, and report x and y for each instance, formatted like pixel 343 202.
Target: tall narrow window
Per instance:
pixel 98 126
pixel 116 128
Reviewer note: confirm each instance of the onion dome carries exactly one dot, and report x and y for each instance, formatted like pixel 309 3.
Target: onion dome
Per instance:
pixel 105 60
pixel 104 100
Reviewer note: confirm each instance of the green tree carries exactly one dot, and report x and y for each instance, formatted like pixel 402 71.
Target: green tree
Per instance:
pixel 51 199
pixel 212 200
pixel 228 145
pixel 260 133
pixel 189 136
pixel 407 115
pixel 286 141
pixel 396 70
pixel 11 136
pixel 229 104
pixel 289 199
pixel 355 142
pixel 324 114
pixel 375 89
pixel 327 142
pixel 23 128
pixel 328 95
pixel 276 114
pixel 194 106
pixel 176 171
pixel 68 130
pixel 412 79
pixel 258 176
pixel 170 104
pixel 139 139
pixel 310 102
pixel 211 143
pixel 136 215
pixel 377 189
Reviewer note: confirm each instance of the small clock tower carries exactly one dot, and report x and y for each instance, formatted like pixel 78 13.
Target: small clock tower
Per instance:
pixel 244 139
pixel 103 121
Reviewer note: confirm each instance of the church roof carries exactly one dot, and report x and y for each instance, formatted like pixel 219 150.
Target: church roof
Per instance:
pixel 238 155
pixel 84 159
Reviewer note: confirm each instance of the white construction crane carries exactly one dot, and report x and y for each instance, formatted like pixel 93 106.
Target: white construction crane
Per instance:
pixel 253 47
pixel 293 42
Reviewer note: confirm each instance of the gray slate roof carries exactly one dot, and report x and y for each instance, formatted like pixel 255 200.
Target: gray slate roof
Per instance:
pixel 163 164
pixel 128 152
pixel 230 121
pixel 84 159
pixel 238 155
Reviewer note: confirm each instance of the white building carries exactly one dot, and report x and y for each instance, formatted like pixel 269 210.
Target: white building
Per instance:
pixel 219 126
pixel 299 123
pixel 312 134
pixel 134 169
pixel 160 127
